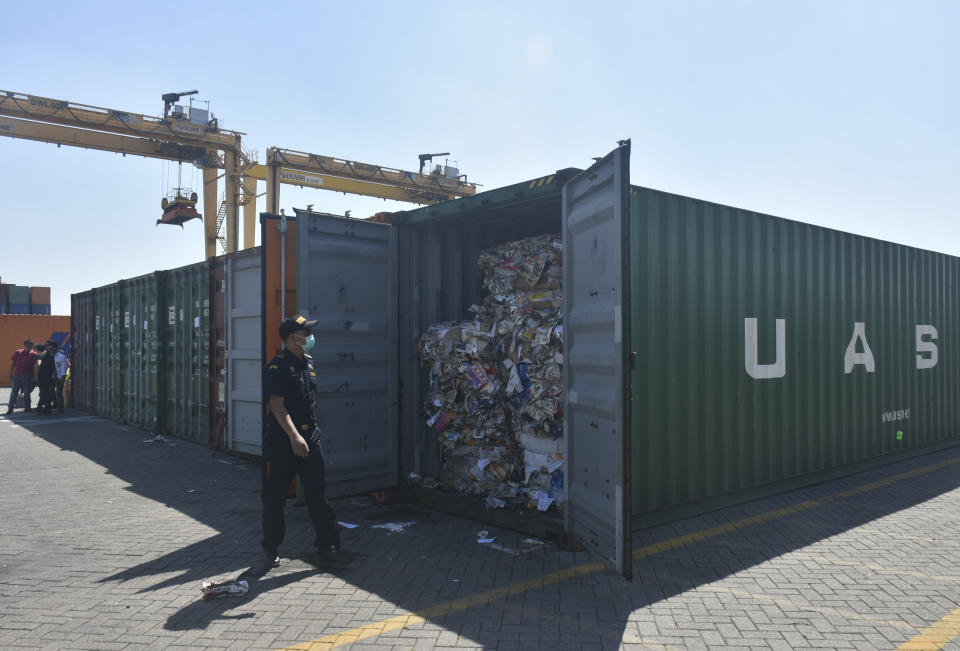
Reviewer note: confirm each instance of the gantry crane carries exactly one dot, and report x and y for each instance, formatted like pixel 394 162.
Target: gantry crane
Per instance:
pixel 339 175
pixel 173 137
pixel 177 136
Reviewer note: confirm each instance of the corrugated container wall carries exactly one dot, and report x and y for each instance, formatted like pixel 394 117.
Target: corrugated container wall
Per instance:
pixel 244 309
pixel 187 391
pixel 82 357
pixel 768 349
pixel 218 353
pixel 19 295
pixel 143 352
pixel 39 296
pixel 16 328
pixel 4 298
pixel 108 351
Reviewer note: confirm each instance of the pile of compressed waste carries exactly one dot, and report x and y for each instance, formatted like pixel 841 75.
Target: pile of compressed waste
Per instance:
pixel 496 382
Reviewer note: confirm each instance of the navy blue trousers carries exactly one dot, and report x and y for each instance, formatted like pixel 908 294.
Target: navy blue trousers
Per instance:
pixel 281 464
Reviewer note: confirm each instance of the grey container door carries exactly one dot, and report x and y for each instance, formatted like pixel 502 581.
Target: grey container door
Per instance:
pixel 346 280
pixel 243 350
pixel 596 207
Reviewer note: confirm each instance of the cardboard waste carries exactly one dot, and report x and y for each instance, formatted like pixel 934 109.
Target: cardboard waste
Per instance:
pixel 496 381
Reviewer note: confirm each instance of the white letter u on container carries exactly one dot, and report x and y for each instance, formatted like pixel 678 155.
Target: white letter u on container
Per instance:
pixel 750 354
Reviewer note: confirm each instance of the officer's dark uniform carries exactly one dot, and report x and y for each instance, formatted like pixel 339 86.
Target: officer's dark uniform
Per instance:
pixel 294 380
pixel 46 377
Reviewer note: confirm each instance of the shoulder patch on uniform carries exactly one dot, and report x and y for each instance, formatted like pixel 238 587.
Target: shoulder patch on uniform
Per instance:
pixel 273 366
pixel 308 356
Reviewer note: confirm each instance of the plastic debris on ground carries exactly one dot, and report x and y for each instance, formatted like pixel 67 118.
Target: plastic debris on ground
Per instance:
pixel 217 589
pixel 484 537
pixel 496 382
pixel 394 527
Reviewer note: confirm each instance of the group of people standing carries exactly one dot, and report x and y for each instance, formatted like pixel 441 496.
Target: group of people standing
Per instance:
pixel 38 365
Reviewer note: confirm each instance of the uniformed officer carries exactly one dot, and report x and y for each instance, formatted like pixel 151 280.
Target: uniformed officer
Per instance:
pixel 291 443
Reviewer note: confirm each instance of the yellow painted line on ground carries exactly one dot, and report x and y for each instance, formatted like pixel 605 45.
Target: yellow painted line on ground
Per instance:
pixel 412 619
pixel 938 635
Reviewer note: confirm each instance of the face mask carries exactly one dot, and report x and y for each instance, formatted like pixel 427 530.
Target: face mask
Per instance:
pixel 308 344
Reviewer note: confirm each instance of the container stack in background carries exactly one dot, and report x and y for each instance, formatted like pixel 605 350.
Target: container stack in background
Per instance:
pixel 496 382
pixel 20 299
pixel 25 314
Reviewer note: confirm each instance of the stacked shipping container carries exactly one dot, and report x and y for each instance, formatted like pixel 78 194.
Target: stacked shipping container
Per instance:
pixel 144 348
pixel 18 299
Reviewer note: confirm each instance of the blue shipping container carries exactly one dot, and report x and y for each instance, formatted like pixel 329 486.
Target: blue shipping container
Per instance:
pixel 39 309
pixel 63 340
pixel 18 308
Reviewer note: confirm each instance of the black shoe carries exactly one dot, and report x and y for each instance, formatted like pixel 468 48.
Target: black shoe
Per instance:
pixel 9 410
pixel 331 558
pixel 271 558
pixel 27 409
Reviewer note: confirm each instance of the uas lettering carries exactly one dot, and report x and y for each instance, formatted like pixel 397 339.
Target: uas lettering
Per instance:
pixel 858 351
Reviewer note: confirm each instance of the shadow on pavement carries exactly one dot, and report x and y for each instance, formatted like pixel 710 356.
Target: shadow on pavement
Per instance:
pixel 435 559
pixel 200 614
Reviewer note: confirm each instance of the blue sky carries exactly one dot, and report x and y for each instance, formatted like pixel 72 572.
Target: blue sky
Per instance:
pixel 842 114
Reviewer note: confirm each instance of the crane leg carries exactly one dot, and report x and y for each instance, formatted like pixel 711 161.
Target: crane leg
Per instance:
pixel 249 212
pixel 209 212
pixel 232 180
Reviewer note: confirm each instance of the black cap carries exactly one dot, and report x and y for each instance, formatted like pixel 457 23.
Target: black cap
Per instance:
pixel 294 323
pixel 51 342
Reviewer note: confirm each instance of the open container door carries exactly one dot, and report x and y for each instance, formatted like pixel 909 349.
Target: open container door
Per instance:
pixel 596 290
pixel 244 361
pixel 346 280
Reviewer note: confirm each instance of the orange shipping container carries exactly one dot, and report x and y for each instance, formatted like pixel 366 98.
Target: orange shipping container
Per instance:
pixel 271 262
pixel 15 328
pixel 39 296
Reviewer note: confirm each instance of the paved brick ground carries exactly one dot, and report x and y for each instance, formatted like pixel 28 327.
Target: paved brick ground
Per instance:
pixel 105 539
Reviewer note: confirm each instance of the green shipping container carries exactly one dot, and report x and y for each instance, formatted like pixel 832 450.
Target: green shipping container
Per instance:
pixel 143 338
pixel 186 311
pixel 82 361
pixel 108 351
pixel 712 354
pixel 768 349
pixel 19 295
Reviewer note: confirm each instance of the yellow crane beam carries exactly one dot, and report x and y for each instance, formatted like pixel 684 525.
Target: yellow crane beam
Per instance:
pixel 417 188
pixel 325 182
pixel 74 137
pixel 171 129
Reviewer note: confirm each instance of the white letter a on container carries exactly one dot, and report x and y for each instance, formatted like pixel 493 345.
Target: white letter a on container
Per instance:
pixel 852 357
pixel 750 354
